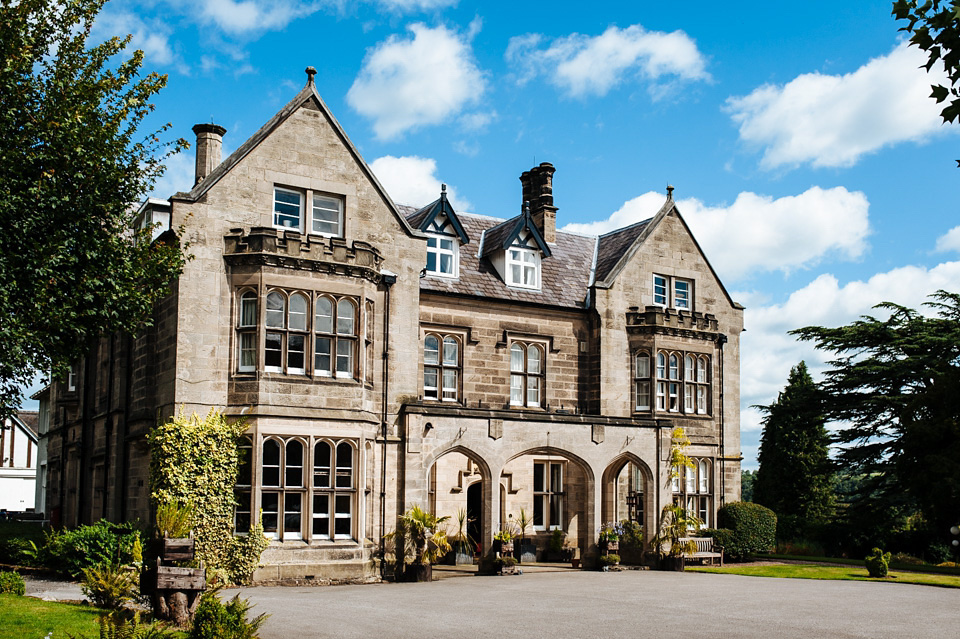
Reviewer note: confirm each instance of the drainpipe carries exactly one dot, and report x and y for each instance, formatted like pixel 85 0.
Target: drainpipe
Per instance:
pixel 723 455
pixel 388 279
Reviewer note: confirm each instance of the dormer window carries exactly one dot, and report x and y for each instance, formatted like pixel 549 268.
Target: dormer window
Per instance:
pixel 523 268
pixel 442 255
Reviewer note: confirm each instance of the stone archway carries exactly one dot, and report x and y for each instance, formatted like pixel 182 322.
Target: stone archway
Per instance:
pixel 458 479
pixel 629 492
pixel 555 489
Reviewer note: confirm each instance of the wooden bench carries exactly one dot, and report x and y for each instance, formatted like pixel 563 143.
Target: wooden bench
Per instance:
pixel 705 549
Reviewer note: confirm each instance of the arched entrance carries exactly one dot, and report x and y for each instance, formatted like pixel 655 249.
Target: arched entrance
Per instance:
pixel 629 492
pixel 458 482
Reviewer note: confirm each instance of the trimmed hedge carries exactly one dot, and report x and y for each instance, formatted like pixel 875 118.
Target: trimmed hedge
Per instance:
pixel 754 528
pixel 721 537
pixel 11 582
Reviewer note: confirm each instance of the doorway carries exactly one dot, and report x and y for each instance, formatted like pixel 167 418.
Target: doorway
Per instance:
pixel 475 514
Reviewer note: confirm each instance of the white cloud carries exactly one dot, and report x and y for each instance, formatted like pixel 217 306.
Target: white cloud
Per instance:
pixel 832 120
pixel 252 16
pixel 950 241
pixel 585 65
pixel 406 6
pixel 768 352
pixel 412 180
pixel 759 233
pixel 153 38
pixel 179 174
pixel 410 83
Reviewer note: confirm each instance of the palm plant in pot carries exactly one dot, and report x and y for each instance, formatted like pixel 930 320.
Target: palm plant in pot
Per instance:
pixel 528 549
pixel 671 540
pixel 461 542
pixel 421 540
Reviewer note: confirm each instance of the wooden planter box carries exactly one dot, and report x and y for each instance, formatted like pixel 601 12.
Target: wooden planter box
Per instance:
pixel 609 546
pixel 172 578
pixel 173 549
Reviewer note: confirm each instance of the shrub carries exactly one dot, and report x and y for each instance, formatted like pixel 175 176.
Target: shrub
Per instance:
pixel 110 586
pixel 609 560
pixel 721 537
pixel 904 558
pixel 174 519
pixel 754 528
pixel 877 563
pixel 122 625
pixel 216 620
pixel 557 538
pixel 802 547
pixel 506 561
pixel 12 583
pixel 632 536
pixel 18 551
pixel 70 551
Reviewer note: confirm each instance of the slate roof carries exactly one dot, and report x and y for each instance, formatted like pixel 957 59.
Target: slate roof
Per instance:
pixel 612 246
pixel 30 419
pixel 564 277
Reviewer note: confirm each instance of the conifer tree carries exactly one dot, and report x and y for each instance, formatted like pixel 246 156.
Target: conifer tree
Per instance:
pixel 794 478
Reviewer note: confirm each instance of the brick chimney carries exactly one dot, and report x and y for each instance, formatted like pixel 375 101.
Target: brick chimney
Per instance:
pixel 209 146
pixel 538 191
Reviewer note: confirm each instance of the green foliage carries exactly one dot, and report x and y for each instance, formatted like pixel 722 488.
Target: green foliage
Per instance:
pixel 110 586
pixel 795 475
pixel 420 537
pixel 505 561
pixel 611 559
pixel 893 388
pixel 69 552
pixel 754 528
pixel 557 538
pixel 216 620
pixel 195 461
pixel 679 442
pixel 126 625
pixel 71 267
pixel 503 535
pixel 747 480
pixel 935 28
pixel 675 524
pixel 632 535
pixel 877 563
pixel 721 537
pixel 524 521
pixel 12 582
pixel 174 519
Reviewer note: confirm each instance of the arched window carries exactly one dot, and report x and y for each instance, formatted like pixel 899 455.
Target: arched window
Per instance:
pixel 703 385
pixel 276 319
pixel 297 335
pixel 526 375
pixel 641 376
pixel 689 389
pixel 334 490
pixel 242 511
pixel 661 384
pixel 335 324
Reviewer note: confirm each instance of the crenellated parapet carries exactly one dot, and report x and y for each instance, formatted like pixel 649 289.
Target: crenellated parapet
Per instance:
pixel 282 248
pixel 658 320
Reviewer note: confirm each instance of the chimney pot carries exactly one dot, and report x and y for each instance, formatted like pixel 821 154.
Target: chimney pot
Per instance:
pixel 209 148
pixel 538 190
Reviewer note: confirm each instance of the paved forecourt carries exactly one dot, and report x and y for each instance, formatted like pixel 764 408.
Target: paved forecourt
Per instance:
pixel 631 604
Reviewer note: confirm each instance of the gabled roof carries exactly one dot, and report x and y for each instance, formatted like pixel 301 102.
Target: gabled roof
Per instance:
pixel 563 279
pixel 619 247
pixel 423 218
pixel 307 93
pixel 502 236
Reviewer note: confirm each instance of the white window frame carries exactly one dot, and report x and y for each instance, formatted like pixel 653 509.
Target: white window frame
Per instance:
pixel 661 290
pixel 682 294
pixel 673 292
pixel 517 256
pixel 72 378
pixel 642 368
pixel 306 223
pixel 442 367
pixel 439 251
pixel 550 495
pixel 522 378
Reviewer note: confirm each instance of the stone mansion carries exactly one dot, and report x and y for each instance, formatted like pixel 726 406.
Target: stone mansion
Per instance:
pixel 386 356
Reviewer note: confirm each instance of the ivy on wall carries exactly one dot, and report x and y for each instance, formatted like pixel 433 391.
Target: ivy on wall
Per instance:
pixel 195 461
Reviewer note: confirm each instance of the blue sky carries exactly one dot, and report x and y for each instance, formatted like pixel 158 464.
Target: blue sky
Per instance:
pixel 806 155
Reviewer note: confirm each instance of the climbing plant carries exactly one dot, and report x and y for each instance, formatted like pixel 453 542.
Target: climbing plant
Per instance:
pixel 195 460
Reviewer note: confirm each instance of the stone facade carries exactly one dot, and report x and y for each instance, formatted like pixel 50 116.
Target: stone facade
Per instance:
pixel 523 368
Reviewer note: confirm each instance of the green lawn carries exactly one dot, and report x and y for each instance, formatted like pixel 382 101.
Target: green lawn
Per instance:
pixel 847 573
pixel 29 618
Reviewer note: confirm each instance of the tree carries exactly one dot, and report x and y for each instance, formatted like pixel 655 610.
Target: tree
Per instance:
pixel 794 478
pixel 72 268
pixel 894 386
pixel 935 28
pixel 747 479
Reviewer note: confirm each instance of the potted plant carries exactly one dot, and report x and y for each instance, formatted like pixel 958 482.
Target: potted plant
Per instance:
pixel 528 550
pixel 609 536
pixel 420 538
pixel 608 561
pixel 503 542
pixel 461 542
pixel 506 565
pixel 631 542
pixel 555 548
pixel 675 524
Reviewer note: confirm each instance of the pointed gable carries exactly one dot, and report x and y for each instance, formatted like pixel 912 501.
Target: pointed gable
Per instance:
pixel 307 98
pixel 439 218
pixel 519 232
